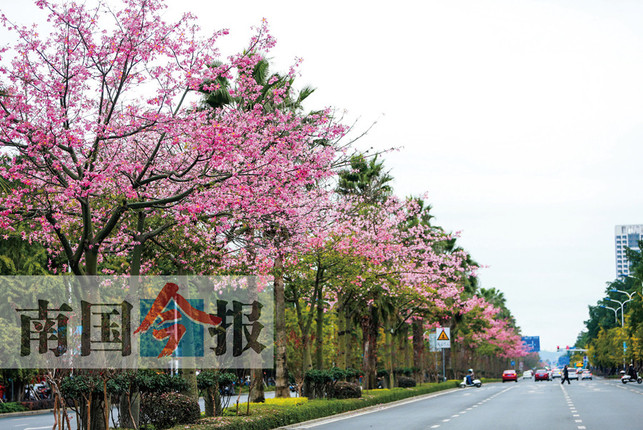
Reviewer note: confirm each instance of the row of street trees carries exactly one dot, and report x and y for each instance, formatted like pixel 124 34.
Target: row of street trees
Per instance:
pixel 614 330
pixel 130 147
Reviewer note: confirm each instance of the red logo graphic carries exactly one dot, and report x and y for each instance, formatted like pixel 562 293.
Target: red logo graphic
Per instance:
pixel 175 332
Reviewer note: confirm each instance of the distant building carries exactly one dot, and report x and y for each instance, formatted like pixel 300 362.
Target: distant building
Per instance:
pixel 626 236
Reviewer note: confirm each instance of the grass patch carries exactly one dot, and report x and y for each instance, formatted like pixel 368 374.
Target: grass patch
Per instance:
pixel 281 412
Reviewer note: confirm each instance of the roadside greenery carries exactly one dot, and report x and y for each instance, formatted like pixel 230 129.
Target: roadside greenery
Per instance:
pixel 11 407
pixel 610 345
pixel 275 413
pixel 150 181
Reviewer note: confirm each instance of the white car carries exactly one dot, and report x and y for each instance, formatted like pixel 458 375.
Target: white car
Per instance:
pixel 573 374
pixel 527 374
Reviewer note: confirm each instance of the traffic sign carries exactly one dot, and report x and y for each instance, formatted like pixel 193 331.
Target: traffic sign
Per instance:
pixel 532 343
pixel 443 337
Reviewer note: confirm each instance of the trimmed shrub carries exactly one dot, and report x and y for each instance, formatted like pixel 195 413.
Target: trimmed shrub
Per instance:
pixel 11 407
pixel 266 417
pixel 405 382
pixel 381 373
pixel 319 383
pixel 406 371
pixel 36 405
pixel 346 390
pixel 168 409
pixel 289 401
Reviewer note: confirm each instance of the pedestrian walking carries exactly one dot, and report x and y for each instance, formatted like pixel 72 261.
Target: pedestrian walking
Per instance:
pixel 565 375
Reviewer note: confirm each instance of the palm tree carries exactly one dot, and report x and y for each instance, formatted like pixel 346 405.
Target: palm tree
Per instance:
pixel 217 96
pixel 365 178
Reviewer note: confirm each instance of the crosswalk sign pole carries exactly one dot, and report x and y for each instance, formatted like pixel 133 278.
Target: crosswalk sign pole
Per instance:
pixel 444 374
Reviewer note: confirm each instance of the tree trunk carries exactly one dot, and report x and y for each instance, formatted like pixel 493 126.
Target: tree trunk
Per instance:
pixel 352 342
pixel 418 351
pixel 369 330
pixel 189 375
pixel 390 344
pixel 405 346
pixel 281 377
pixel 257 395
pixel 319 353
pixel 208 400
pixel 341 339
pixel 98 406
pixel 133 404
pixel 307 357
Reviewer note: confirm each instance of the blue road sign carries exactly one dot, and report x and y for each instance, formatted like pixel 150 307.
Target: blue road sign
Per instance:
pixel 532 343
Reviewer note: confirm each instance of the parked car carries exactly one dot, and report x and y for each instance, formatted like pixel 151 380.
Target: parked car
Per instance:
pixel 39 391
pixel 556 373
pixel 509 375
pixel 527 374
pixel 586 375
pixel 541 375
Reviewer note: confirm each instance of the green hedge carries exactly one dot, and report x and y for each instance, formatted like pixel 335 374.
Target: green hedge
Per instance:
pixel 11 407
pixel 265 417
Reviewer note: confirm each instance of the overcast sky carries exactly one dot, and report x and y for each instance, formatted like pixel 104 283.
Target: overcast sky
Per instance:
pixel 521 119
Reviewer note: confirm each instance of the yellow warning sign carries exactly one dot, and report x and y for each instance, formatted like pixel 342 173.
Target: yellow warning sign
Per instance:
pixel 443 336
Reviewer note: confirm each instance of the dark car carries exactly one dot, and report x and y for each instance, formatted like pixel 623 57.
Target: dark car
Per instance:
pixel 541 375
pixel 509 375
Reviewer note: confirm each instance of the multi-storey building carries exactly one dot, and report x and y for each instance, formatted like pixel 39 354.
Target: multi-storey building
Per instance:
pixel 626 236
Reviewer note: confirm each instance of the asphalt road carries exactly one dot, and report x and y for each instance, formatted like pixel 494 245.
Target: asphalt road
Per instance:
pixel 583 405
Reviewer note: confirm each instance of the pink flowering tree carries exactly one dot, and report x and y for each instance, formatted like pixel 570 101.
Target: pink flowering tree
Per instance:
pixel 486 333
pixel 103 130
pixel 393 267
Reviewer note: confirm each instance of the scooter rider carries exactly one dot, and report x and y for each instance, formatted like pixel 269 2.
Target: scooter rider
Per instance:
pixel 632 372
pixel 469 377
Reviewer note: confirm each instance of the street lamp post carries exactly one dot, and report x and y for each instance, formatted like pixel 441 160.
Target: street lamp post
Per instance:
pixel 629 295
pixel 621 307
pixel 615 312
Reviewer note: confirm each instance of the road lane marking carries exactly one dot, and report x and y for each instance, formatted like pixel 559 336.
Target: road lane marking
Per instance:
pixel 482 402
pixel 572 408
pixel 370 410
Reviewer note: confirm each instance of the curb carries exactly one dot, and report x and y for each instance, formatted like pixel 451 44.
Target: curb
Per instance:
pixel 25 413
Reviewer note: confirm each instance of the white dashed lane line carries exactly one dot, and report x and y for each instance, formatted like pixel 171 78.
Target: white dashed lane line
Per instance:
pixel 572 409
pixel 480 403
